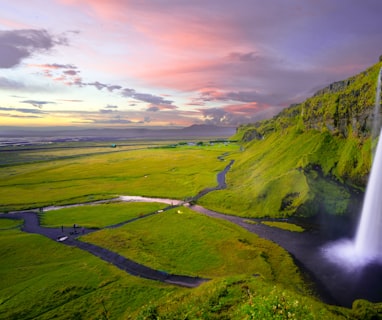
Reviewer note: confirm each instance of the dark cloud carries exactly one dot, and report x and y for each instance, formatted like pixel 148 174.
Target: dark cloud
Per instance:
pixel 245 57
pixel 23 110
pixel 16 45
pixel 106 110
pixel 153 109
pixel 242 96
pixel 19 116
pixel 96 84
pixel 100 86
pixel 37 103
pixel 54 66
pixel 111 88
pixel 70 72
pixel 146 97
pixel 158 107
pixel 111 107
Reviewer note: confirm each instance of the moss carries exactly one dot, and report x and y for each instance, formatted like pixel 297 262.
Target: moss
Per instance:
pixel 365 310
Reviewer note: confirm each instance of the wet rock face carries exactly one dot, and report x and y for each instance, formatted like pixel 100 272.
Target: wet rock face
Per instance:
pixel 252 134
pixel 344 107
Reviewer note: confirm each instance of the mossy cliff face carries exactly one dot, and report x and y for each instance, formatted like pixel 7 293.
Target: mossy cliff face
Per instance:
pixel 312 158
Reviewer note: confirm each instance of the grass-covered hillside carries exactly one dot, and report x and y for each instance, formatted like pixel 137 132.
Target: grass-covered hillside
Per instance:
pixel 309 159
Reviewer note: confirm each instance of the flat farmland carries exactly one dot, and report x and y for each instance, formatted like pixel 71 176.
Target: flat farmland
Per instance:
pixel 177 173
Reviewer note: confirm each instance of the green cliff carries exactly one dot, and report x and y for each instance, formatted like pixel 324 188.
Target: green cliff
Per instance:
pixel 312 158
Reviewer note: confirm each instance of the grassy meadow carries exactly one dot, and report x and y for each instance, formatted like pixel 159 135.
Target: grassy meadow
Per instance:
pixel 250 278
pixel 181 241
pixel 41 279
pixel 162 172
pixel 6 224
pixel 98 215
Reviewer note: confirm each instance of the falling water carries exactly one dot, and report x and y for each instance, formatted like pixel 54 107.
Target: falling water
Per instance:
pixel 368 241
pixel 369 234
pixel 367 245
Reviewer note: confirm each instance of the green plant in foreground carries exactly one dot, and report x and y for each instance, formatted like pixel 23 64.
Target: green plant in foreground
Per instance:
pixel 239 298
pixel 277 306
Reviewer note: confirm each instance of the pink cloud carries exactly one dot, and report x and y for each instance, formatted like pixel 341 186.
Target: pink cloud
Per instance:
pixel 169 39
pixel 103 9
pixel 245 109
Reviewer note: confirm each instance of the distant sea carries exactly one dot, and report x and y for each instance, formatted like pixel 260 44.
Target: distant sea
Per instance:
pixel 26 136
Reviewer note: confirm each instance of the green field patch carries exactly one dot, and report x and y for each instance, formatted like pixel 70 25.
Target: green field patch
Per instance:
pixel 169 173
pixel 98 215
pixel 42 279
pixel 9 223
pixel 284 225
pixel 181 241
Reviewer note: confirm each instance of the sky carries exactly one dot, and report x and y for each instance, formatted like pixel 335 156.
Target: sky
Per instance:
pixel 134 63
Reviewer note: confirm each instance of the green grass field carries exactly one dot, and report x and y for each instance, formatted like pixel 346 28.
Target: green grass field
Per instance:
pixel 41 279
pixel 171 173
pixel 98 215
pixel 181 241
pixel 9 224
pixel 251 278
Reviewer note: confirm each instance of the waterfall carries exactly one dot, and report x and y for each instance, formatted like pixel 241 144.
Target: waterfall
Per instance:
pixel 367 244
pixel 368 240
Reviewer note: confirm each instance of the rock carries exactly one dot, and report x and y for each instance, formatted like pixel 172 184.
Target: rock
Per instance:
pixel 252 134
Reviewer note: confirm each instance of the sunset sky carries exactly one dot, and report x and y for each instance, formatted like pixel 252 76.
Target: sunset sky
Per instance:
pixel 125 63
